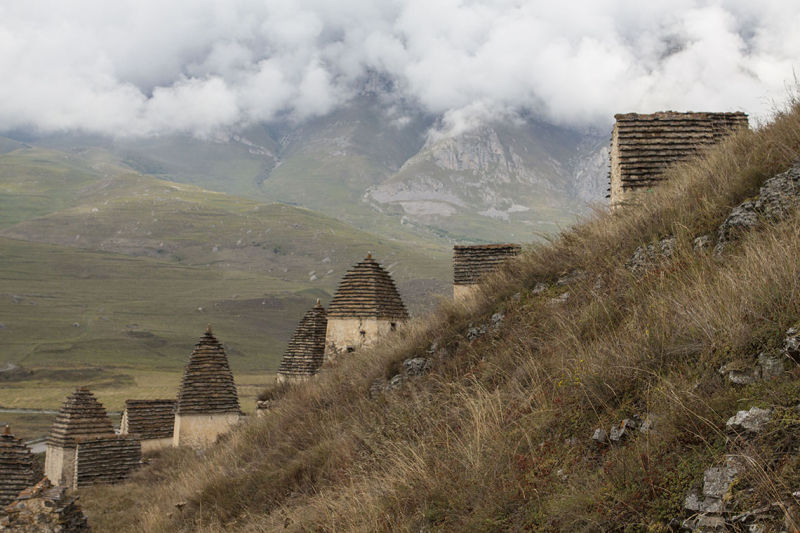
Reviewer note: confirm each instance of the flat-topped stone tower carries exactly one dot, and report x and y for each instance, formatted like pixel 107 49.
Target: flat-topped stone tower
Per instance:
pixel 16 467
pixel 208 403
pixel 81 417
pixel 306 350
pixel 470 263
pixel 151 421
pixel 44 508
pixel 644 146
pixel 366 306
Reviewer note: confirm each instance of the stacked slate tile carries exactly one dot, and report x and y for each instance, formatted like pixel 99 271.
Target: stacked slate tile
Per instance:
pixel 17 467
pixel 106 460
pixel 81 417
pixel 470 263
pixel 644 146
pixel 367 291
pixel 148 419
pixel 44 507
pixel 306 350
pixel 207 385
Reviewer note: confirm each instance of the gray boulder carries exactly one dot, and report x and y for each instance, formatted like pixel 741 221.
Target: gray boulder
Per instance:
pixel 600 436
pixel 749 422
pixel 622 432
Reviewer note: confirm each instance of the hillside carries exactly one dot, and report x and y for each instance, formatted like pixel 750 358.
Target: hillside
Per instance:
pixel 581 391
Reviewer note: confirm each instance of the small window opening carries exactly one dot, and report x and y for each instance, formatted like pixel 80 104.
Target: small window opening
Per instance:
pixel 393 326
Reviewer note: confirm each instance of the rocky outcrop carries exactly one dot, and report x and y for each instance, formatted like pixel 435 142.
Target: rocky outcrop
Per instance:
pixel 647 257
pixel 44 508
pixel 776 198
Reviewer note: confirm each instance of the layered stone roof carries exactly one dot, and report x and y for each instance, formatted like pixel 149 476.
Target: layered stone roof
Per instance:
pixel 44 507
pixel 16 467
pixel 81 417
pixel 207 385
pixel 148 419
pixel 644 146
pixel 106 460
pixel 472 262
pixel 306 350
pixel 367 291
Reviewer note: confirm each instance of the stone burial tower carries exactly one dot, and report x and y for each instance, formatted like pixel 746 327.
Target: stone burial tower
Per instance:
pixel 151 421
pixel 470 263
pixel 17 471
pixel 81 417
pixel 644 146
pixel 208 403
pixel 306 350
pixel 366 307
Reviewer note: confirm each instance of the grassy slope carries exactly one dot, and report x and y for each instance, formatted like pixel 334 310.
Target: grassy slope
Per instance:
pixel 483 442
pixel 143 216
pixel 37 181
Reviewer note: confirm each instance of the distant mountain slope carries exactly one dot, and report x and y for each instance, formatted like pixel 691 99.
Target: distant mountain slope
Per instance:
pixel 523 175
pixel 142 216
pixel 375 164
pixel 243 262
pixel 37 181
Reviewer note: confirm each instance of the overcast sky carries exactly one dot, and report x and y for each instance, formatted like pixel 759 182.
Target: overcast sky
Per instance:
pixel 147 67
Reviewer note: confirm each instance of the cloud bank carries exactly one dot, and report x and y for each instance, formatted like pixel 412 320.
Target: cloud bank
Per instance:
pixel 152 67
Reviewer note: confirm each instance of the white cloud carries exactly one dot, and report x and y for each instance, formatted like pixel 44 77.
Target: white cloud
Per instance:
pixel 150 67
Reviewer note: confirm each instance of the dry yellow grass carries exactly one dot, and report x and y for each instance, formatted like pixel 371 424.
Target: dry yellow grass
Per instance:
pixel 497 436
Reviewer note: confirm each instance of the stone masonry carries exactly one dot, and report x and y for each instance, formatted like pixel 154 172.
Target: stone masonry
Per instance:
pixel 106 460
pixel 151 421
pixel 81 417
pixel 366 307
pixel 306 350
pixel 644 146
pixel 470 263
pixel 44 508
pixel 17 470
pixel 208 403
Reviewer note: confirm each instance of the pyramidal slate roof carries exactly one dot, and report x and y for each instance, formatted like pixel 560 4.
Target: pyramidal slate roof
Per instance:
pixel 472 262
pixel 367 291
pixel 81 417
pixel 207 384
pixel 149 419
pixel 16 467
pixel 644 146
pixel 306 350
